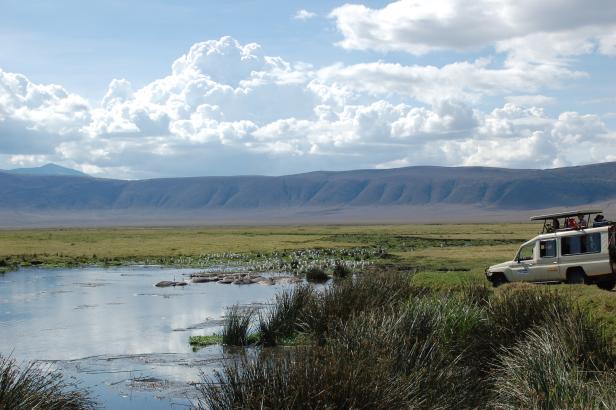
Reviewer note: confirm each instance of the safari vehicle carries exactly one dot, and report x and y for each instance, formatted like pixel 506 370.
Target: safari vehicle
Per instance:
pixel 574 251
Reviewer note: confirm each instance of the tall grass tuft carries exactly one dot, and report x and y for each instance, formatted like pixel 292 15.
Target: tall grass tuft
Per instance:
pixel 316 274
pixel 282 319
pixel 345 298
pixel 37 387
pixel 565 364
pixel 378 341
pixel 341 270
pixel 237 326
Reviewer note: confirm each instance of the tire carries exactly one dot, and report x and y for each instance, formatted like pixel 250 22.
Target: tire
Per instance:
pixel 498 279
pixel 576 276
pixel 607 284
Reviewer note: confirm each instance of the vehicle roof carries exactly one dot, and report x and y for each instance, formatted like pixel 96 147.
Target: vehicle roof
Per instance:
pixel 571 232
pixel 566 214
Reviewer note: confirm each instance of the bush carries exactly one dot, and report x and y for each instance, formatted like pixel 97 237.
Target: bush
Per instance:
pixel 237 326
pixel 34 386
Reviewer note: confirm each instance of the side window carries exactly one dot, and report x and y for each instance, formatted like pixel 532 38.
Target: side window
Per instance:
pixel 579 244
pixel 526 252
pixel 591 243
pixel 547 249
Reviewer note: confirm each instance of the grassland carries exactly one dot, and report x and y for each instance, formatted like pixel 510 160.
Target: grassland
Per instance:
pixel 431 275
pixel 58 247
pixel 443 256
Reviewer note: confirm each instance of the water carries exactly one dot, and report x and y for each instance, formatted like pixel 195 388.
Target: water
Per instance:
pixel 116 333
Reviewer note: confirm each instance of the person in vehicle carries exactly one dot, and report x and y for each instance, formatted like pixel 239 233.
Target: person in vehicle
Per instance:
pixel 581 222
pixel 570 223
pixel 555 224
pixel 599 221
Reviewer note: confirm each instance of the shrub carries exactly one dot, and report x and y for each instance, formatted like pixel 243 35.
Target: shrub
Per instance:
pixel 34 386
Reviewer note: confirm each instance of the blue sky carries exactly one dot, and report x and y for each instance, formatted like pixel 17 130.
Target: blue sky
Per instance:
pixel 171 88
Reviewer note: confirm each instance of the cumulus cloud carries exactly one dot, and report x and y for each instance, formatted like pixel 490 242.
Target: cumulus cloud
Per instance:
pixel 421 27
pixel 304 15
pixel 229 108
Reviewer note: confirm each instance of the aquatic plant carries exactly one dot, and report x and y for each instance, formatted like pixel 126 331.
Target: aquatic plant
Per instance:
pixel 237 326
pixel 282 319
pixel 202 341
pixel 34 386
pixel 564 364
pixel 316 274
pixel 378 341
pixel 341 270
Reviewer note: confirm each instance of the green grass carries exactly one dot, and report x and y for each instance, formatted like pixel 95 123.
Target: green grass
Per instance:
pixel 202 341
pixel 62 247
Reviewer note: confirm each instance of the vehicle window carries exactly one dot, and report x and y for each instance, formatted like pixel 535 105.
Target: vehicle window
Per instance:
pixel 573 245
pixel 547 249
pixel 526 252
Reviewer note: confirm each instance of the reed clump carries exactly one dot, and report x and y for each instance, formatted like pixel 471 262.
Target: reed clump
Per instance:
pixel 35 386
pixel 378 341
pixel 237 327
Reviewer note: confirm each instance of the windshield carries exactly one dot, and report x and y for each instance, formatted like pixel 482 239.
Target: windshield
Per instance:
pixel 526 252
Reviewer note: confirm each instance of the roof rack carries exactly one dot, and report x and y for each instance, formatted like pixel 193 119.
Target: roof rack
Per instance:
pixel 566 214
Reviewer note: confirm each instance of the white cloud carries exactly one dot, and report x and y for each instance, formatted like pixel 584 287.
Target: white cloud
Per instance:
pixel 429 84
pixel 304 15
pixel 420 27
pixel 228 108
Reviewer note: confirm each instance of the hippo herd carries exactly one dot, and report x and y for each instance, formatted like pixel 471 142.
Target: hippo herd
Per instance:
pixel 231 278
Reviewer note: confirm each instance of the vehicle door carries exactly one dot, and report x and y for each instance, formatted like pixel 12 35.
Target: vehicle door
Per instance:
pixel 521 269
pixel 546 265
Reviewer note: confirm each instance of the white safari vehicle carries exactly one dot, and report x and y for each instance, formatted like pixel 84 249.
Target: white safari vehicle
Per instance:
pixel 576 250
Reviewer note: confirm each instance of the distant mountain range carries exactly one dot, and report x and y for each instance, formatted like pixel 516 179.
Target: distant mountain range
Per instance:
pixel 48 169
pixel 374 192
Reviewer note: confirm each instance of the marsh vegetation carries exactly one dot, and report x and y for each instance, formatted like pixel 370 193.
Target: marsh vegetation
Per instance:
pixel 381 341
pixel 35 386
pixel 406 319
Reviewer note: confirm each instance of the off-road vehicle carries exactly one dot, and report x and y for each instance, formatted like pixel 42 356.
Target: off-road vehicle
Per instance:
pixel 576 250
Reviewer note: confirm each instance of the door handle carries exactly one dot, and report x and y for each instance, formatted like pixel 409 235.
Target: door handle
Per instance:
pixel 555 263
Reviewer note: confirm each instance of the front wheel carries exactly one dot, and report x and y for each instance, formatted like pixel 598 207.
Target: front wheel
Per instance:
pixel 607 284
pixel 498 279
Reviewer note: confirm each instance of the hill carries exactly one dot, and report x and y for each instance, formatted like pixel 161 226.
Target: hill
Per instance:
pixel 385 192
pixel 48 169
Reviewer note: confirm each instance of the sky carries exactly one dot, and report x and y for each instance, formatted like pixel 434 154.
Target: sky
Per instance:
pixel 161 88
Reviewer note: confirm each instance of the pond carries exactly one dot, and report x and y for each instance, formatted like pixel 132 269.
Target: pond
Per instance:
pixel 116 333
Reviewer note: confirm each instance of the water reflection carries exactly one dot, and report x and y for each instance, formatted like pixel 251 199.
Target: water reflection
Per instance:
pixel 105 324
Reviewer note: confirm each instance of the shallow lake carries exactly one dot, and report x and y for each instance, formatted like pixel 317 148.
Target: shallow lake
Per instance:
pixel 117 334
